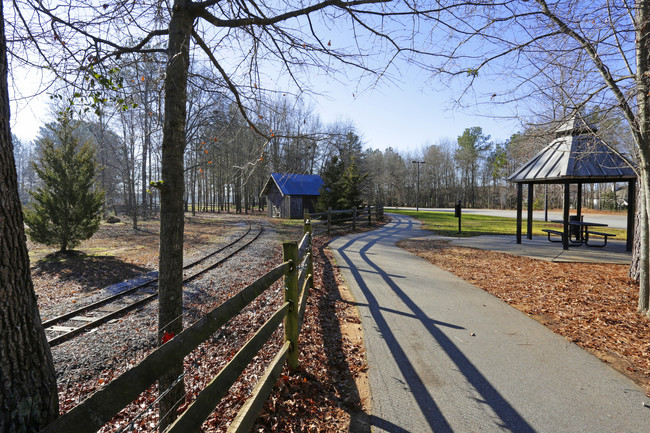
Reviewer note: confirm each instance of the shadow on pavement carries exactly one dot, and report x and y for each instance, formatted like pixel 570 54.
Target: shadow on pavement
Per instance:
pixel 509 416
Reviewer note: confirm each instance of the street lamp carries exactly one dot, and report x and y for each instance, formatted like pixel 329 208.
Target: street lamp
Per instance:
pixel 417 195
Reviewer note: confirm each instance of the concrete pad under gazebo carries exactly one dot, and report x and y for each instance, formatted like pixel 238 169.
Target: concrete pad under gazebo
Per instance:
pixel 576 156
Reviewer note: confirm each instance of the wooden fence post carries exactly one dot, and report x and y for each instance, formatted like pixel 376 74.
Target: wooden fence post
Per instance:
pixel 329 219
pixel 310 262
pixel 354 218
pixel 369 215
pixel 290 250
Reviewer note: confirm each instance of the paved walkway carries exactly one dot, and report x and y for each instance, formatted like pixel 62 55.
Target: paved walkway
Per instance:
pixel 446 356
pixel 539 247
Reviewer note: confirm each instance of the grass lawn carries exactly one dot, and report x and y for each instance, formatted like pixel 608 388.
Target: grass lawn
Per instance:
pixel 446 224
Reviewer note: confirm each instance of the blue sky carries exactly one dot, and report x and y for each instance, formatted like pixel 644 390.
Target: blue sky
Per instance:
pixel 28 112
pixel 408 117
pixel 405 117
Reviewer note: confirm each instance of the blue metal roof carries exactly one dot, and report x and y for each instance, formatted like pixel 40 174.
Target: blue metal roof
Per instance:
pixel 296 184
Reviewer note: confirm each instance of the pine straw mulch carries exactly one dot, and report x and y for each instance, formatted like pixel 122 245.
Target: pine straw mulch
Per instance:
pixel 593 306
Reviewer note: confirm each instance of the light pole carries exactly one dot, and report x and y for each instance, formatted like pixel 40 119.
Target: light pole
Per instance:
pixel 417 195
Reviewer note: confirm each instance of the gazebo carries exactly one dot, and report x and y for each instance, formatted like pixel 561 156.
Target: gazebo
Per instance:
pixel 575 156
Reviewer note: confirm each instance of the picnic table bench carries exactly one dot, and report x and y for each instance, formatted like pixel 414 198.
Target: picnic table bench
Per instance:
pixel 550 232
pixel 604 235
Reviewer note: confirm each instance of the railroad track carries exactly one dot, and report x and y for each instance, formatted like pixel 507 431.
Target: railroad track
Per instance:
pixel 70 324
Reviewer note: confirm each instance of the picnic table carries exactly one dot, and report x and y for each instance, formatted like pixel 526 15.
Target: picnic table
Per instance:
pixel 581 233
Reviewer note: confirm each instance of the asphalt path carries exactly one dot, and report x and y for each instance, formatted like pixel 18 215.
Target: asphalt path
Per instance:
pixel 613 220
pixel 445 356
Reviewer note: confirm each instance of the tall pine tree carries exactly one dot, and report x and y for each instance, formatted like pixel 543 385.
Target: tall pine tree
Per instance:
pixel 330 192
pixel 67 206
pixel 341 185
pixel 351 186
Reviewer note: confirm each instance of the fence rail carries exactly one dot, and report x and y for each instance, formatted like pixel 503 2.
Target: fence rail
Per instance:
pixel 330 218
pixel 297 269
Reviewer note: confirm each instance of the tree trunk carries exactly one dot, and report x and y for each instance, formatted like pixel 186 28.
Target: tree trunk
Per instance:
pixel 641 257
pixel 238 194
pixel 150 177
pixel 643 239
pixel 193 191
pixel 170 286
pixel 146 145
pixel 28 393
pixel 635 263
pixel 642 138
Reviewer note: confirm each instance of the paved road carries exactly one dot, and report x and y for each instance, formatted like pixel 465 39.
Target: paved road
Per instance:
pixel 617 221
pixel 445 356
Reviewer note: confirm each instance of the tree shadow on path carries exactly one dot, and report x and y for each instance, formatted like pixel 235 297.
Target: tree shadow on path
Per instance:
pixel 509 417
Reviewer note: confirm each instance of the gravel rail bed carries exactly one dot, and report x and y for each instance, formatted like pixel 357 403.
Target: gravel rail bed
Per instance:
pixel 91 360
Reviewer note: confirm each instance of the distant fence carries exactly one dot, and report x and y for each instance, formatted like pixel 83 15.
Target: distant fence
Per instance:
pixel 332 217
pixel 297 269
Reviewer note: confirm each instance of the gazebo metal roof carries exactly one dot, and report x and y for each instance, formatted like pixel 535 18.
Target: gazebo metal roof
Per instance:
pixel 576 155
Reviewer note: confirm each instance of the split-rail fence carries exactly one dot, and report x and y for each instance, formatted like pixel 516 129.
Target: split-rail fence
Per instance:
pixel 297 270
pixel 332 217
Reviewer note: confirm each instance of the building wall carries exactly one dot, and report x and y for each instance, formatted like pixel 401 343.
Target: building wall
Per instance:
pixel 275 203
pixel 291 207
pixel 309 203
pixel 295 206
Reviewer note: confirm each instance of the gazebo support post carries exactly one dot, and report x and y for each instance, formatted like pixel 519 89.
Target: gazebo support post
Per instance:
pixel 519 206
pixel 579 204
pixel 631 213
pixel 546 202
pixel 567 204
pixel 529 221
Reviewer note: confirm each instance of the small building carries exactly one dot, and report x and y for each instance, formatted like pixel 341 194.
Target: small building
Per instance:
pixel 290 195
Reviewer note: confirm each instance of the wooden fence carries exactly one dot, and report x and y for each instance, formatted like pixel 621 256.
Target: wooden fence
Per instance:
pixel 341 216
pixel 297 270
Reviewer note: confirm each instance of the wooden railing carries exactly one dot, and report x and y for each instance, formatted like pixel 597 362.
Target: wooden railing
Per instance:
pixel 297 269
pixel 331 217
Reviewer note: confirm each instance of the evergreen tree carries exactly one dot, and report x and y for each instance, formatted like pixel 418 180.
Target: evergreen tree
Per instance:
pixel 67 206
pixel 331 191
pixel 351 186
pixel 472 146
pixel 341 185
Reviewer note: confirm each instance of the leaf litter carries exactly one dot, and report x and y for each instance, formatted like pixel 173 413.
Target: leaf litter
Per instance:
pixel 320 397
pixel 593 306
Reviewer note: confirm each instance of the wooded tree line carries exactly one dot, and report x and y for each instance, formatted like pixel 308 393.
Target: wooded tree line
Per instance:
pixel 474 169
pixel 226 162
